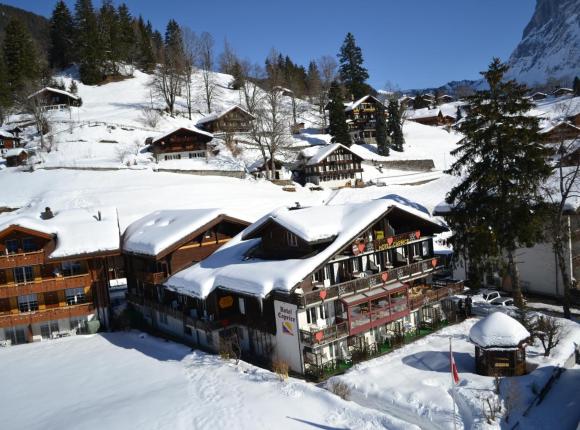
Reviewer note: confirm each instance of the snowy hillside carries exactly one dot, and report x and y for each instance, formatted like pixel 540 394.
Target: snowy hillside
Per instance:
pixel 550 46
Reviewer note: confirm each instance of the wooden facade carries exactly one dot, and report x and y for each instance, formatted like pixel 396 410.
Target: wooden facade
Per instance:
pixel 509 361
pixel 183 143
pixel 16 157
pixel 560 132
pixel 233 120
pixel 52 97
pixel 437 119
pixel 41 297
pixel 340 167
pixel 361 117
pixel 9 141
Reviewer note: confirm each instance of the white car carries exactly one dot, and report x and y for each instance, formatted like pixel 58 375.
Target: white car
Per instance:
pixel 502 301
pixel 489 295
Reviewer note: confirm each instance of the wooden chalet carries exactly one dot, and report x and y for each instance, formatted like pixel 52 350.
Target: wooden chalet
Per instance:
pixel 183 143
pixel 281 172
pixel 500 345
pixel 232 120
pixel 537 96
pixel 54 278
pixel 53 98
pixel 574 119
pixel 165 242
pixel 445 98
pixel 332 165
pixel 560 132
pixel 9 140
pixel 316 286
pixel 361 118
pixel 560 92
pixel 432 117
pixel 15 157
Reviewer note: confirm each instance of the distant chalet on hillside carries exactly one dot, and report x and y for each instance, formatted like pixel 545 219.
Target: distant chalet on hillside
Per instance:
pixel 433 117
pixel 232 120
pixel 361 118
pixel 333 165
pixel 53 98
pixel 182 143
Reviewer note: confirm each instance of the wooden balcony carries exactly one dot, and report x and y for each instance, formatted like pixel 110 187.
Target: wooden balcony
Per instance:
pixel 325 335
pixel 345 289
pixel 9 261
pixel 45 285
pixel 440 291
pixel 53 314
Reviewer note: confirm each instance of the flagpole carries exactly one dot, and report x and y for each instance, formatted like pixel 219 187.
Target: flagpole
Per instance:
pixel 452 384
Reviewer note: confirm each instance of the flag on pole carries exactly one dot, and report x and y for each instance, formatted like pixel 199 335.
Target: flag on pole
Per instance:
pixel 454 371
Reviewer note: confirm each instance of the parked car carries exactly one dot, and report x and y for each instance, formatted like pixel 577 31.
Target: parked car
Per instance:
pixel 489 295
pixel 502 301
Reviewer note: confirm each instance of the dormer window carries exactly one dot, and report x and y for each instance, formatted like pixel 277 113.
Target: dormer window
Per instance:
pixel 291 239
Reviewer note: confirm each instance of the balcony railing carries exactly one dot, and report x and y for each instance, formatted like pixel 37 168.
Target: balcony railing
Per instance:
pixel 434 295
pixel 46 315
pixel 46 285
pixel 325 335
pixel 9 261
pixel 386 277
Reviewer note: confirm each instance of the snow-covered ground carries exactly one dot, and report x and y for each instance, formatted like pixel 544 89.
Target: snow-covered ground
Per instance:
pixel 414 382
pixel 134 381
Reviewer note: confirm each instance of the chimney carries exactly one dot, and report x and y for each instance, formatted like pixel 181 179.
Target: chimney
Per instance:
pixel 47 214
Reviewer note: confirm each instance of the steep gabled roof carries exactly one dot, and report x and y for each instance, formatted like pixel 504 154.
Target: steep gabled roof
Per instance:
pixel 54 90
pixel 163 231
pixel 232 267
pixel 323 151
pixel 353 105
pixel 191 129
pixel 217 115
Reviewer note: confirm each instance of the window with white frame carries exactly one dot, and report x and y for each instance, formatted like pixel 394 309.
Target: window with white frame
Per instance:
pixel 28 303
pixel 23 274
pixel 75 296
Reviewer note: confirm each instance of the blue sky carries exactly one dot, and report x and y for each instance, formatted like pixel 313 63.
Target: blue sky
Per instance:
pixel 409 43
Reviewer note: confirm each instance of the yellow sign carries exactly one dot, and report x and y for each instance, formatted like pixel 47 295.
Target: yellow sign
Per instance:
pixel 226 302
pixel 379 234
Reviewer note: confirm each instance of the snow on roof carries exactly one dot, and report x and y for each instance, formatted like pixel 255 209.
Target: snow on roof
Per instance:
pixel 422 113
pixel 318 153
pixel 549 128
pixel 78 231
pixel 14 152
pixel 216 115
pixel 230 267
pixel 498 330
pixel 192 128
pixel 159 230
pixel 54 90
pixel 350 106
pixel 4 133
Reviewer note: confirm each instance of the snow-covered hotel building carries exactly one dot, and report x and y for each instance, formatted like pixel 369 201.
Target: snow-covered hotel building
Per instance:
pixel 312 285
pixel 55 270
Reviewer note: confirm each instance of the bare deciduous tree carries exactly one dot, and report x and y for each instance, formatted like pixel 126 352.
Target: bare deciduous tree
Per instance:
pixel 227 59
pixel 167 80
pixel 549 332
pixel 36 108
pixel 190 57
pixel 249 91
pixel 327 66
pixel 206 64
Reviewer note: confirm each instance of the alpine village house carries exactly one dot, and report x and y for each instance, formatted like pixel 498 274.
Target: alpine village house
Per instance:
pixel 235 119
pixel 163 243
pixel 182 143
pixel 54 273
pixel 331 165
pixel 312 286
pixel 361 118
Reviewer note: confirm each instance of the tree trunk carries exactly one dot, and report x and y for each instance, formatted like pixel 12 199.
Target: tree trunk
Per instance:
pixel 558 245
pixel 515 279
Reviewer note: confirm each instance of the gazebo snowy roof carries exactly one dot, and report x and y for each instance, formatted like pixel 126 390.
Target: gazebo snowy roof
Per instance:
pixel 498 330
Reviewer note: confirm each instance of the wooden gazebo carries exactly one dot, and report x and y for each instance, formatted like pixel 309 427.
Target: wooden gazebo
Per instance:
pixel 500 345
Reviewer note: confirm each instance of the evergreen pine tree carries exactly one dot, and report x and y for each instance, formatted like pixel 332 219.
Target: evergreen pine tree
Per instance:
pixel 73 88
pixel 61 52
pixel 108 31
pixel 313 81
pixel 87 45
pixel 394 129
pixel 19 57
pixel 146 50
pixel 351 69
pixel 338 128
pixel 5 99
pixel 576 86
pixel 458 114
pixel 382 136
pixel 238 74
pixel 127 38
pixel 502 164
